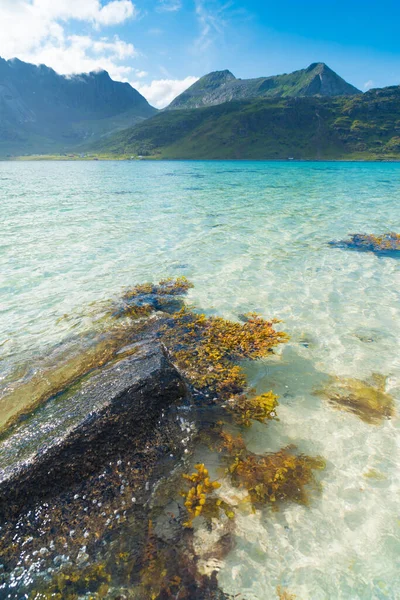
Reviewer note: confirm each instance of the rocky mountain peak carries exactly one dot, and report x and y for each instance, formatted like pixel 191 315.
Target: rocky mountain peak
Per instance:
pixel 222 86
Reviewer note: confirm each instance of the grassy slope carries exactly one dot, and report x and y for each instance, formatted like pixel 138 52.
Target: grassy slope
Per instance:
pixel 359 127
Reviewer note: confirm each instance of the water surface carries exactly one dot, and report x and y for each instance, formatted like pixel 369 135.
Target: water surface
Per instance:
pixel 251 236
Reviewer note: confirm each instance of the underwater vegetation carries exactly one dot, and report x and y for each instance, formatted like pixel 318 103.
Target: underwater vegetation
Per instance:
pixel 200 498
pixel 386 243
pixel 375 475
pixel 71 583
pixel 170 572
pixel 165 287
pixel 200 486
pixel 155 577
pixel 283 594
pixel 282 476
pixel 206 349
pixel 233 445
pixel 365 399
pixel 144 299
pixel 246 409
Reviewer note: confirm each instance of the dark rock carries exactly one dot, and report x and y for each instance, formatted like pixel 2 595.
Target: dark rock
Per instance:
pixel 74 434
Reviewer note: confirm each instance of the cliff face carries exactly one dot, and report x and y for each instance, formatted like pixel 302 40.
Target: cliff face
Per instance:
pixel 325 82
pixel 221 86
pixel 38 107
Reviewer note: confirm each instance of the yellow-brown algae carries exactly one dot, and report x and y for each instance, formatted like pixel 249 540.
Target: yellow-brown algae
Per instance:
pixel 283 594
pixel 368 400
pixel 198 497
pixel 271 478
pixel 375 475
pixel 380 243
pixel 253 408
pixel 206 349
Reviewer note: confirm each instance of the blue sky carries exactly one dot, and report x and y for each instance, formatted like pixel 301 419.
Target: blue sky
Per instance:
pixel 161 46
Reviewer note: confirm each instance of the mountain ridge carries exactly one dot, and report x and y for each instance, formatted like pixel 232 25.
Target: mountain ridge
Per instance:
pixel 219 87
pixel 362 127
pixel 308 114
pixel 39 107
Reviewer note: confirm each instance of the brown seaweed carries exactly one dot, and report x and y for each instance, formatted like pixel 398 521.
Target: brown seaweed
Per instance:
pixel 207 349
pixel 247 408
pixel 200 498
pixel 368 400
pixel 385 243
pixel 283 594
pixel 283 476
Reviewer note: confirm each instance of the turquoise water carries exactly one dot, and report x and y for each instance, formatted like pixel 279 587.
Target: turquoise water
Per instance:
pixel 251 236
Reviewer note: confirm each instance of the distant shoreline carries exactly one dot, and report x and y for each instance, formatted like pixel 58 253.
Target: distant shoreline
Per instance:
pixel 123 158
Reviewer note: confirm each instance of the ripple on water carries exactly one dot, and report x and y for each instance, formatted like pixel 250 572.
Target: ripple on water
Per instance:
pixel 341 308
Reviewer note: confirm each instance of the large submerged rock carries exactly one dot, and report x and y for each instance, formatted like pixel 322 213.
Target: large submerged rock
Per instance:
pixel 74 434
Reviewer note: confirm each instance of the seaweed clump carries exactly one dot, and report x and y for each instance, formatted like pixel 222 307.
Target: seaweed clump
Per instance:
pixel 277 477
pixel 144 299
pixel 72 582
pixel 206 349
pixel 233 446
pixel 365 399
pixel 271 478
pixel 200 499
pixel 165 287
pixel 170 572
pixel 246 409
pixel 386 243
pixel 155 578
pixel 283 594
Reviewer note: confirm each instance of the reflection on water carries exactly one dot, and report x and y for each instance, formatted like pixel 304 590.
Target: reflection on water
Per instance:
pixel 254 236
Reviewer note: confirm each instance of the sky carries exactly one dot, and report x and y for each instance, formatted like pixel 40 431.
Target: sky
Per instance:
pixel 163 46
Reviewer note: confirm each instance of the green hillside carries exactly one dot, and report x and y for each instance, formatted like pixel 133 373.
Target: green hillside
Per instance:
pixel 366 126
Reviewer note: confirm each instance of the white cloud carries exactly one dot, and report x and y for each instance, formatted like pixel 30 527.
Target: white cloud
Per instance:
pixel 81 54
pixel 169 5
pixel 34 31
pixel 112 13
pixel 116 12
pixel 211 16
pixel 38 31
pixel 116 48
pixel 368 85
pixel 161 92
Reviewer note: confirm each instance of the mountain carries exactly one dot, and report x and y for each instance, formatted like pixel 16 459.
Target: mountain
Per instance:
pixel 219 87
pixel 365 126
pixel 42 111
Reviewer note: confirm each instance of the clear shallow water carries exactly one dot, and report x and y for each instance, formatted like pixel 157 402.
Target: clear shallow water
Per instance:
pixel 251 236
